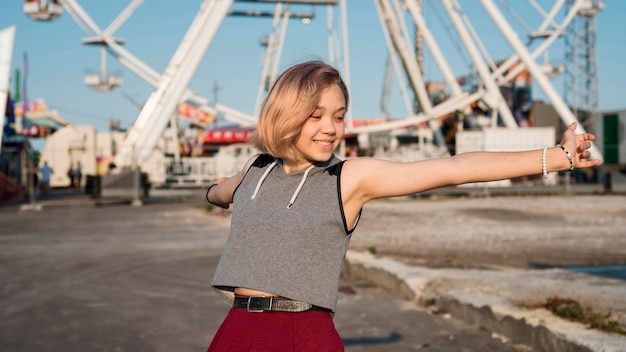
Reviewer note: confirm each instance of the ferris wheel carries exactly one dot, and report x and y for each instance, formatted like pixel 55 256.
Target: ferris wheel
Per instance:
pixel 481 104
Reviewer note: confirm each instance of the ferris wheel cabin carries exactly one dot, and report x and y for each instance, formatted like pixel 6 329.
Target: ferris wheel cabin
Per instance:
pixel 43 10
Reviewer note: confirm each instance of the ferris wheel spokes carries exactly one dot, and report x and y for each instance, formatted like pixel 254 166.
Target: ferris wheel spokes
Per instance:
pixel 133 63
pixel 564 112
pixel 492 76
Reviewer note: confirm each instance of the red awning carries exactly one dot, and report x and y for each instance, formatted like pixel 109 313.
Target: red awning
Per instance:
pixel 227 135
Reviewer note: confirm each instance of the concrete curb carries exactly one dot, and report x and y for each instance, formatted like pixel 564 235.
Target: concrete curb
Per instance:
pixel 494 300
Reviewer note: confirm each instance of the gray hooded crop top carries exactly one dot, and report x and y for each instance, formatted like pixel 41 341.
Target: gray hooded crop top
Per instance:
pixel 288 233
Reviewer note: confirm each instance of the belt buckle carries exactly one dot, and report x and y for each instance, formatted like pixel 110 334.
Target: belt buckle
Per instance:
pixel 258 310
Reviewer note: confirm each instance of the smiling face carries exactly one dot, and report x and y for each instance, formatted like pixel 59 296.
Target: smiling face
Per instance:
pixel 322 131
pixel 301 119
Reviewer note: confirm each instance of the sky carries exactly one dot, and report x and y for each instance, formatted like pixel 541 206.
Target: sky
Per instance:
pixel 231 69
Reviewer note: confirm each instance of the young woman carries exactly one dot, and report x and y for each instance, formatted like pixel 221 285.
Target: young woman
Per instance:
pixel 296 205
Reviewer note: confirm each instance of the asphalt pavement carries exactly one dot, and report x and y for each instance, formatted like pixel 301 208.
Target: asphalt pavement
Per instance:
pixel 449 274
pixel 77 276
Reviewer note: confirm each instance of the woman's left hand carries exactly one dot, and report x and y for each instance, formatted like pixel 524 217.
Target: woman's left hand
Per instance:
pixel 578 146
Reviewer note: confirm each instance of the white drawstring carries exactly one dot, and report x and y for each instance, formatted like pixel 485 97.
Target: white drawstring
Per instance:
pixel 295 194
pixel 258 185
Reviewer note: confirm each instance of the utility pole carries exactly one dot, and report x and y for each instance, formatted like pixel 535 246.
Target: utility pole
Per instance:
pixel 215 91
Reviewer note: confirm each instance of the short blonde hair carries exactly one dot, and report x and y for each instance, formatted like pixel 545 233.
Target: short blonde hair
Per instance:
pixel 291 100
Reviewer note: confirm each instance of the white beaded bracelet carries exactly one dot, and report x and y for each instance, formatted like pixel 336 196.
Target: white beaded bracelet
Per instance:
pixel 544 168
pixel 569 156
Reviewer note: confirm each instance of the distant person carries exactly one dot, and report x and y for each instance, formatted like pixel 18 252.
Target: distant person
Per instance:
pixel 78 176
pixel 45 171
pixel 33 175
pixel 71 174
pixel 296 205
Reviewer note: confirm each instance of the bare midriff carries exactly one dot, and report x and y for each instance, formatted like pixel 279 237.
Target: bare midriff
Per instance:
pixel 250 292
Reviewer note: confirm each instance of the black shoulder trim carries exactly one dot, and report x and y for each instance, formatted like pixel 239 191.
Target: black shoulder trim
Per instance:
pixel 335 170
pixel 263 160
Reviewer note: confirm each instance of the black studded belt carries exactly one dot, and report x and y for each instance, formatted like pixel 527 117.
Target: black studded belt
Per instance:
pixel 274 304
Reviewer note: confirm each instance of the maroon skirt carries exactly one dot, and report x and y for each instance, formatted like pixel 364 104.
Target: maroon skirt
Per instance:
pixel 312 330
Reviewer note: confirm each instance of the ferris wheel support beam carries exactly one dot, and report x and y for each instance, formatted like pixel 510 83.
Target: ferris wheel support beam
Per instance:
pixel 130 61
pixel 272 53
pixel 330 32
pixel 415 119
pixel 549 17
pixel 418 17
pixel 122 17
pixel 556 33
pixel 407 57
pixel 392 19
pixel 150 75
pixel 493 98
pixel 393 59
pixel 559 105
pixel 81 18
pixel 124 57
pixel 345 49
pixel 161 104
pixel 459 102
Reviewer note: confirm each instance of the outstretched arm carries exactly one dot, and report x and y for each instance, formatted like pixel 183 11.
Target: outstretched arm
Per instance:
pixel 221 191
pixel 367 178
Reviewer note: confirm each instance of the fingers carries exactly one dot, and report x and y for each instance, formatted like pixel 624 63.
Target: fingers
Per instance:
pixel 584 146
pixel 586 137
pixel 588 163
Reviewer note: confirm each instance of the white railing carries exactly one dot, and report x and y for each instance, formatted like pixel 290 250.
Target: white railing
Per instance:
pixel 199 171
